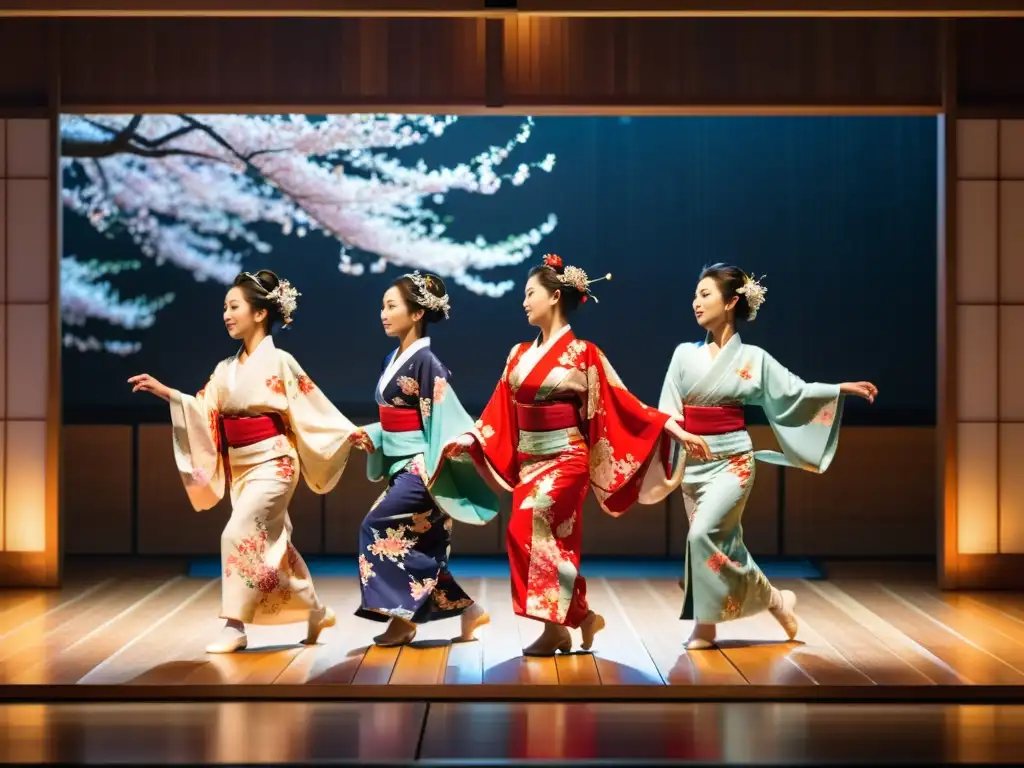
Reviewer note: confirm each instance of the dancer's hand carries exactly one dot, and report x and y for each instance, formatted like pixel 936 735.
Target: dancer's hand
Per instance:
pixel 360 439
pixel 864 389
pixel 146 383
pixel 694 444
pixel 459 447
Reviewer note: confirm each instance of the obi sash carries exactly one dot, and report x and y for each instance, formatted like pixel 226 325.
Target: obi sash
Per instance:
pixel 712 420
pixel 546 418
pixel 401 435
pixel 240 431
pixel 399 419
pixel 704 420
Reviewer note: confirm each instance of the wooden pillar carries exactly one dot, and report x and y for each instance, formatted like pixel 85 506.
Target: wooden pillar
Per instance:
pixel 981 412
pixel 30 391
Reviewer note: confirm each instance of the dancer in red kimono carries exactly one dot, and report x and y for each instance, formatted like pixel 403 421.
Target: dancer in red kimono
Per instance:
pixel 559 422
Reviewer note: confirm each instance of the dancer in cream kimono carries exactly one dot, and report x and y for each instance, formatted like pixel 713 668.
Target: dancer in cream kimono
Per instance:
pixel 560 422
pixel 257 424
pixel 705 389
pixel 405 539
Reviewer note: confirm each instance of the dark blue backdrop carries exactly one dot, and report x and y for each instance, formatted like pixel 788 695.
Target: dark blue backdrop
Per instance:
pixel 838 212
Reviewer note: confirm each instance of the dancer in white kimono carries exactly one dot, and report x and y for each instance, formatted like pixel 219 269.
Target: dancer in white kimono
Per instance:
pixel 257 424
pixel 705 389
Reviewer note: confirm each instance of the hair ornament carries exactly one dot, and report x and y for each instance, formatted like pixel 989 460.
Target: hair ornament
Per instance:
pixel 755 293
pixel 574 277
pixel 425 298
pixel 284 295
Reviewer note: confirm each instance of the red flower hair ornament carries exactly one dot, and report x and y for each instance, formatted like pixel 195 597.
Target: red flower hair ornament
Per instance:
pixel 573 277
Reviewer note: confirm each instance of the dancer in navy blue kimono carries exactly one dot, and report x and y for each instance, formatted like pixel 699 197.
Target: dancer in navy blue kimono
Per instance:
pixel 405 539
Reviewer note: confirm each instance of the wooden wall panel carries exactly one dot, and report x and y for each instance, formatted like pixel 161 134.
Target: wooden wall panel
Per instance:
pixel 781 62
pixel 989 70
pixel 24 56
pixel 217 63
pixel 864 506
pixel 97 490
pixel 878 497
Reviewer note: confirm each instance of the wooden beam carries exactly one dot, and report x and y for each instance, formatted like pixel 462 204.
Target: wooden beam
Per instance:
pixel 631 8
pixel 946 415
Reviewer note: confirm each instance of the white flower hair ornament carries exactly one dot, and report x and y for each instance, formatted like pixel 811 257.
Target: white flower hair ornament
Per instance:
pixel 755 293
pixel 286 298
pixel 284 295
pixel 425 298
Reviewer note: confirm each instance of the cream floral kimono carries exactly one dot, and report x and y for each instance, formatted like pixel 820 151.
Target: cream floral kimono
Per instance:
pixel 264 578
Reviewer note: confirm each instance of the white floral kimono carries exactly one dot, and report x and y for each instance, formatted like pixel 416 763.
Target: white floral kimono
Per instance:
pixel 254 427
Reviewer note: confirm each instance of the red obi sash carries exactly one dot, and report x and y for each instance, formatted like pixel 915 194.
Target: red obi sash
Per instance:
pixel 546 418
pixel 394 419
pixel 240 431
pixel 713 419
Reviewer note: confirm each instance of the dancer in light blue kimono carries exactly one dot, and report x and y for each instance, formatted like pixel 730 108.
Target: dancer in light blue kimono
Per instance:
pixel 706 387
pixel 405 539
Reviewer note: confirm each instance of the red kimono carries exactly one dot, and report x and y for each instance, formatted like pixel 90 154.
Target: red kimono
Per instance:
pixel 559 422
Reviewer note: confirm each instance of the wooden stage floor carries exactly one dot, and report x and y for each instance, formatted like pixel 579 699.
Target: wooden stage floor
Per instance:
pixel 142 637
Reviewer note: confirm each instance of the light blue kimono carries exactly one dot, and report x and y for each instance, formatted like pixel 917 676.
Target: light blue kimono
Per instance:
pixel 721 581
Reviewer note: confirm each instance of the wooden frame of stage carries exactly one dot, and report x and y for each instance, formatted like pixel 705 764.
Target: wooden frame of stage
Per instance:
pixel 142 636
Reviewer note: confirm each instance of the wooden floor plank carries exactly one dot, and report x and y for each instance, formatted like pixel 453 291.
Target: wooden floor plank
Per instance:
pixel 105 640
pixel 651 609
pixel 967 624
pixel 336 658
pixel 993 606
pixel 855 642
pixel 577 669
pixel 465 664
pixel 814 654
pixel 969 661
pixel 49 606
pixel 424 661
pixel 619 652
pixel 755 647
pixel 156 656
pixel 910 651
pixel 153 629
pixel 377 666
pixel 502 653
pixel 27 653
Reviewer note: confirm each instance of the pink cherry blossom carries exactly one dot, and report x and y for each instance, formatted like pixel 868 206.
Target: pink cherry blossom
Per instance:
pixel 191 190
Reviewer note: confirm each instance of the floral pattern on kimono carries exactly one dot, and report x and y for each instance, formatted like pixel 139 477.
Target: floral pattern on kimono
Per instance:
pixel 405 538
pixel 264 579
pixel 549 473
pixel 721 580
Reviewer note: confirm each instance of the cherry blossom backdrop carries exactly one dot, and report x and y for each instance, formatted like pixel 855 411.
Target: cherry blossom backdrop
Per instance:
pixel 162 211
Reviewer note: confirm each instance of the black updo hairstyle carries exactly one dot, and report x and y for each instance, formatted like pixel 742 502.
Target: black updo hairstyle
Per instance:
pixel 729 280
pixel 570 298
pixel 255 286
pixel 408 291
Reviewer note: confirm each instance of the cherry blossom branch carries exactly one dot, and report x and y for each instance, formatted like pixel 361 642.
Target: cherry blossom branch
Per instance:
pixel 190 190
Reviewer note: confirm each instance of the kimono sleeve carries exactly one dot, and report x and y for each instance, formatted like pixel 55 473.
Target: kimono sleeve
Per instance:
pixel 321 432
pixel 625 437
pixel 494 438
pixel 805 418
pixel 666 471
pixel 456 486
pixel 195 422
pixel 376 462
